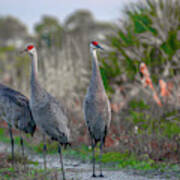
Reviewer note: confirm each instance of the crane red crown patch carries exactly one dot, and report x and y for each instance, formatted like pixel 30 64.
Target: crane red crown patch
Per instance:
pixel 30 47
pixel 95 43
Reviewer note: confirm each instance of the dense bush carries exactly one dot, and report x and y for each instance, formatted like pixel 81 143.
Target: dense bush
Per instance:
pixel 149 32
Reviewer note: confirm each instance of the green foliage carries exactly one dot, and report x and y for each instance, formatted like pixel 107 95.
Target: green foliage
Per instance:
pixel 105 80
pixel 11 29
pixel 141 20
pixel 41 173
pixel 134 104
pixel 171 45
pixel 113 160
pixel 6 49
pixel 140 115
pixel 117 159
pixel 18 158
pixel 30 173
pixel 6 173
pixel 144 36
pixel 50 31
pixel 170 128
pixel 79 19
pixel 4 138
pixel 51 147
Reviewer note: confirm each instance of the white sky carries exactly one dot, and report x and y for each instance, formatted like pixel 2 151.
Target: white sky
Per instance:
pixel 30 11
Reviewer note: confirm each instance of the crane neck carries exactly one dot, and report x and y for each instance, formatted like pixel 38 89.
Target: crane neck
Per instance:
pixel 37 93
pixel 96 80
pixel 34 69
pixel 95 63
pixel 34 66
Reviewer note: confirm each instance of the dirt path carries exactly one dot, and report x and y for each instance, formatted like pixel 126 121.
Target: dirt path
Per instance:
pixel 108 175
pixel 77 170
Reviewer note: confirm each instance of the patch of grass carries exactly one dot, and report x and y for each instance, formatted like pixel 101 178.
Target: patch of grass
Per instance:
pixel 6 139
pixel 51 147
pixel 117 160
pixel 82 152
pixel 17 171
pixel 6 49
pixel 38 148
pixel 30 173
pixel 18 158
pixel 135 104
pixel 110 159
pixel 7 173
pixel 3 137
pixel 131 161
pixel 126 160
pixel 41 173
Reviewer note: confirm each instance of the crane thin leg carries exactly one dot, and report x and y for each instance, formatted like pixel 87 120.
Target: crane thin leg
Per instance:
pixel 44 151
pixel 100 164
pixel 61 161
pixel 22 148
pixel 12 144
pixel 93 158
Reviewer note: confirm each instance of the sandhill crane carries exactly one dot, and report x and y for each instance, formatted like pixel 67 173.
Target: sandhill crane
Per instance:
pixel 15 110
pixel 97 111
pixel 48 113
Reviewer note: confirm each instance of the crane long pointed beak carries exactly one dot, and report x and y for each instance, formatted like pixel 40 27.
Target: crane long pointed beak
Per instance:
pixel 98 46
pixel 22 51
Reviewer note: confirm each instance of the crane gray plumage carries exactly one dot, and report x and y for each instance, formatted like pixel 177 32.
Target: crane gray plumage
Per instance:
pixel 49 114
pixel 15 110
pixel 97 109
pixel 47 111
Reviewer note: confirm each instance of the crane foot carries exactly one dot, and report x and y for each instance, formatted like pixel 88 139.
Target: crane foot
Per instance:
pixel 94 176
pixel 101 175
